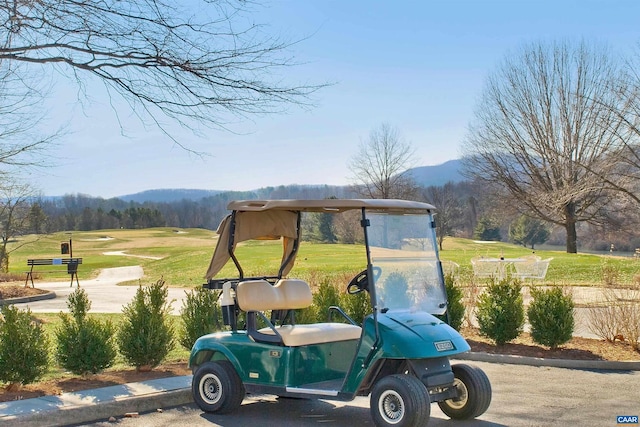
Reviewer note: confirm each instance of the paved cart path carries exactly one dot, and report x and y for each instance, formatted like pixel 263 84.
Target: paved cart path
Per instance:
pixel 105 293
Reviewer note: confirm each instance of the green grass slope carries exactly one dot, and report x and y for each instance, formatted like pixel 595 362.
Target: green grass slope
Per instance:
pixel 181 257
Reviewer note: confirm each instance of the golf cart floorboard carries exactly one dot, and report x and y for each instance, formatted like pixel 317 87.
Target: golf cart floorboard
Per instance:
pixel 328 388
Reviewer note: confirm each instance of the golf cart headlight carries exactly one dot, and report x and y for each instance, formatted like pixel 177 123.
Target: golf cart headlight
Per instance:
pixel 444 345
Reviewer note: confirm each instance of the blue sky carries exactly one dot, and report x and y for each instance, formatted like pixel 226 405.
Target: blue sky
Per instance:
pixel 417 65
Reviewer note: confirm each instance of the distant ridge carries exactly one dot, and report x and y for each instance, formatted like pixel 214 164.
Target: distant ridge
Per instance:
pixel 424 175
pixel 168 195
pixel 439 174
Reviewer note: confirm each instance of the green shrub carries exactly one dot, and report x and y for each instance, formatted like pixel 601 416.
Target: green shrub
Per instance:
pixel 24 347
pixel 501 311
pixel 551 317
pixel 84 345
pixel 395 293
pixel 145 336
pixel 325 296
pixel 357 306
pixel 455 306
pixel 200 315
pixel 306 315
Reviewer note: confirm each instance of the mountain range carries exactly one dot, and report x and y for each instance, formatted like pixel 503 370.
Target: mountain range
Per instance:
pixel 438 175
pixel 168 195
pixel 425 176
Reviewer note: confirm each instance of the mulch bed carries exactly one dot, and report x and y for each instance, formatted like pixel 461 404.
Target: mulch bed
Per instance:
pixel 14 291
pixel 576 349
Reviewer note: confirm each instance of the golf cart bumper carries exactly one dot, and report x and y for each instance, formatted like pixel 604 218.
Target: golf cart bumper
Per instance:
pixel 433 372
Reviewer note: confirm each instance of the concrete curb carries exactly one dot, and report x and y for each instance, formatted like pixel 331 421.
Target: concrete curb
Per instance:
pixel 48 295
pixel 83 407
pixel 554 363
pixel 96 413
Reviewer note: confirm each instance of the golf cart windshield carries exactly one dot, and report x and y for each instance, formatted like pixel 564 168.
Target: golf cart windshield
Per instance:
pixel 405 263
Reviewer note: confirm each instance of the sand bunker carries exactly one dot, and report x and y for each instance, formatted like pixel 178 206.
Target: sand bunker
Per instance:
pixel 122 253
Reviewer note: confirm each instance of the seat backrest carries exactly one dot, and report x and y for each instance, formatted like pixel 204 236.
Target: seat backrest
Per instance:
pixel 286 294
pixel 297 293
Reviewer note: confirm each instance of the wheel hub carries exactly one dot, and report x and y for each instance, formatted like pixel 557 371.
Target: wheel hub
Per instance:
pixel 211 389
pixel 391 407
pixel 463 395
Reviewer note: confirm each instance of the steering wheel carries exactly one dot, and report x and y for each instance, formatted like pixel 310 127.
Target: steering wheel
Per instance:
pixel 360 283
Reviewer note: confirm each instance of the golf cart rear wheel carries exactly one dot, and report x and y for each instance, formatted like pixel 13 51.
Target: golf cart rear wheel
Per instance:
pixel 216 387
pixel 474 393
pixel 401 401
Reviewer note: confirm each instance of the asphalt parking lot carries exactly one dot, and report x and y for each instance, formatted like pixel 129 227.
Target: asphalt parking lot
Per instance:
pixel 523 396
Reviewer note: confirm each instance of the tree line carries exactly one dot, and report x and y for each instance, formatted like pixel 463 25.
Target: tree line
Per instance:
pixel 27 214
pixel 463 209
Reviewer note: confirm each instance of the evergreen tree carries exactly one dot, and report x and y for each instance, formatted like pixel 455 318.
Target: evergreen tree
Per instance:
pixel 200 315
pixel 85 345
pixel 145 336
pixel 37 219
pixel 24 347
pixel 501 311
pixel 487 230
pixel 528 231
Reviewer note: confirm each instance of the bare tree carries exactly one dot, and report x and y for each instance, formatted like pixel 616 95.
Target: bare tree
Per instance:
pixel 14 217
pixel 541 131
pixel 191 62
pixel 448 209
pixel 347 227
pixel 380 165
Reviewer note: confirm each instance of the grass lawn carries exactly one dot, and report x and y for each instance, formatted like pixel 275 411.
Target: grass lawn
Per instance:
pixel 181 257
pixel 565 269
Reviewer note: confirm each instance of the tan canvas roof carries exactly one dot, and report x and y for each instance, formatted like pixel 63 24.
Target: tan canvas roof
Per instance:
pixel 271 225
pixel 275 219
pixel 331 205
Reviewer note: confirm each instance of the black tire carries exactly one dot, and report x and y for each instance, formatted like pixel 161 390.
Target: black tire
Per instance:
pixel 400 401
pixel 216 387
pixel 474 391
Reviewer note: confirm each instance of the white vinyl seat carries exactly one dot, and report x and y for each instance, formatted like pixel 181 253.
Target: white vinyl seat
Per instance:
pixel 288 294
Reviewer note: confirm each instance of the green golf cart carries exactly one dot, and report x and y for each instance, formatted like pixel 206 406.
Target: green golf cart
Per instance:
pixel 400 353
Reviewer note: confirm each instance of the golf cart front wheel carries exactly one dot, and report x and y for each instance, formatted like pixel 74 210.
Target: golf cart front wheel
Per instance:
pixel 474 393
pixel 401 401
pixel 216 387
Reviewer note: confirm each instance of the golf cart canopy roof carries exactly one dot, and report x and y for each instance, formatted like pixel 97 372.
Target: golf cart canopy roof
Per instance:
pixel 276 219
pixel 332 205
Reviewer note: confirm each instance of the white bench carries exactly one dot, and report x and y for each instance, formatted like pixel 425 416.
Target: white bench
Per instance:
pixel 534 269
pixel 484 267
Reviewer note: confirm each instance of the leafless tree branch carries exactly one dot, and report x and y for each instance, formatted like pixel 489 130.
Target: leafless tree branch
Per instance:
pixel 193 63
pixel 22 145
